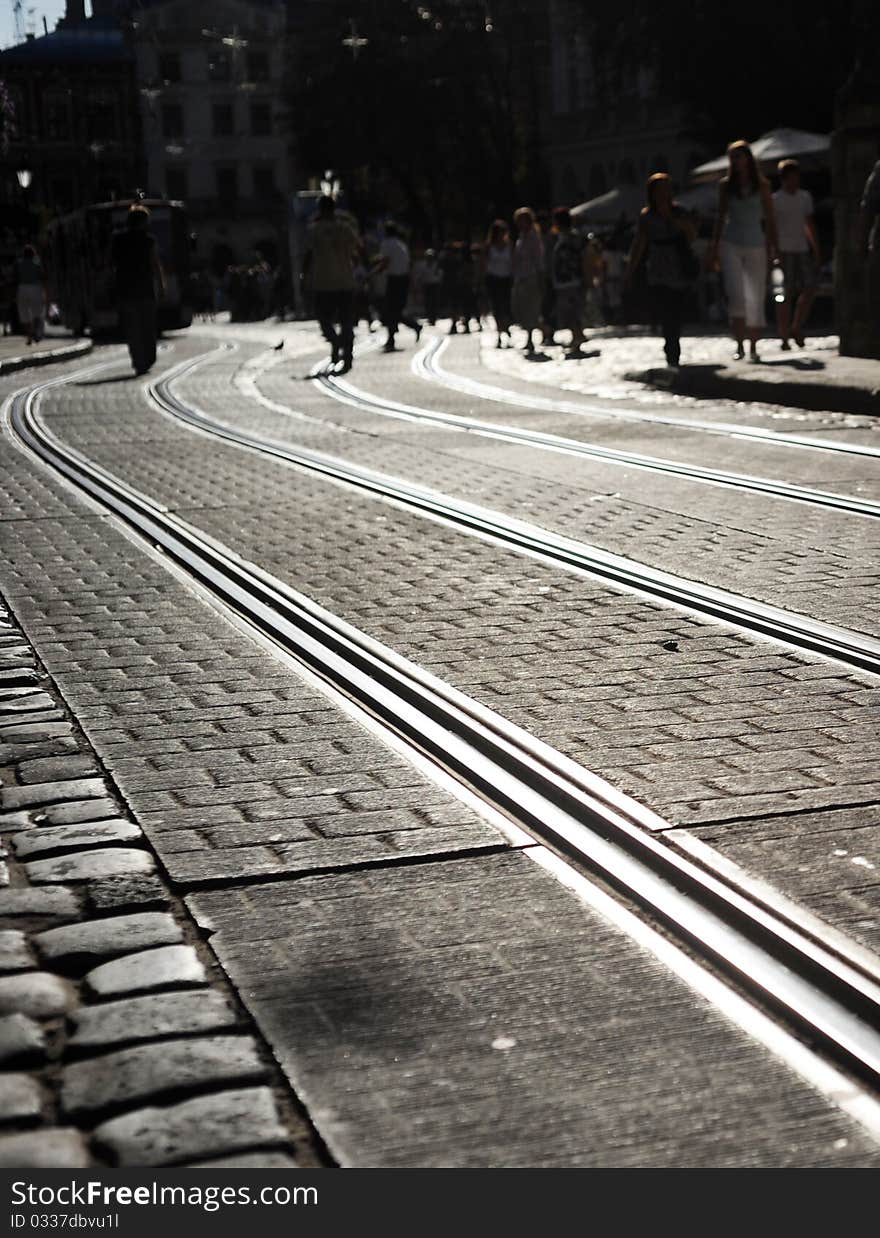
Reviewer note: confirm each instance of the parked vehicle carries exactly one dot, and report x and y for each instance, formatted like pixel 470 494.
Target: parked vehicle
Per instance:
pixel 80 275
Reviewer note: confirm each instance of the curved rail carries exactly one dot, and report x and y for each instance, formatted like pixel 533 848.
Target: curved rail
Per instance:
pixel 787 627
pixel 347 393
pixel 426 364
pixel 824 997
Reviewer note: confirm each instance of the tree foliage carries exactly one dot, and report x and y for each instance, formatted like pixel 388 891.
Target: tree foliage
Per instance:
pixel 436 117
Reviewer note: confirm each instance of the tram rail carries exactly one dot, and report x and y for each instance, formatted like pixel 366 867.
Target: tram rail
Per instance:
pixel 426 365
pixel 747 614
pixel 823 989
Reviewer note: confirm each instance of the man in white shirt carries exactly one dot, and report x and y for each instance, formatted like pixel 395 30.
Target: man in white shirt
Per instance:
pixel 394 261
pixel 799 253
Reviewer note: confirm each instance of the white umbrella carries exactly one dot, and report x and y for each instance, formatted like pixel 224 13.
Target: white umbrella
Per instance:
pixel 625 200
pixel 810 149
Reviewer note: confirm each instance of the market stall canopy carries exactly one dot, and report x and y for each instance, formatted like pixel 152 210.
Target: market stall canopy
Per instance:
pixel 812 150
pixel 626 200
pixel 702 199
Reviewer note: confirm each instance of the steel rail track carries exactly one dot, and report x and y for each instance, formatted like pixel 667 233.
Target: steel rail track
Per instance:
pixel 827 999
pixel 349 394
pixel 786 627
pixel 426 365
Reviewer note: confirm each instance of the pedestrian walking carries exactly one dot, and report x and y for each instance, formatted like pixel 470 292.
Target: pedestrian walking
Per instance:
pixel 394 261
pixel 328 264
pixel 571 274
pixel 799 253
pixel 664 234
pixel 868 241
pixel 456 275
pixel 549 237
pixel 528 275
pixel 745 236
pixel 498 267
pixel 138 273
pixel 433 282
pixel 30 294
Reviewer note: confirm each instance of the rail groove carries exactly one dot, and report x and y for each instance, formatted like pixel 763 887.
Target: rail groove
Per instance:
pixel 426 365
pixel 827 995
pixel 347 393
pixel 786 627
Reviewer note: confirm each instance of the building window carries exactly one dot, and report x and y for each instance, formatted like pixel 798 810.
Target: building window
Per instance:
pixel 227 184
pixel 223 120
pixel 219 65
pixel 172 120
pixel 176 186
pixel 258 66
pixel 169 67
pixel 104 112
pixel 261 120
pixel 264 183
pixel 57 114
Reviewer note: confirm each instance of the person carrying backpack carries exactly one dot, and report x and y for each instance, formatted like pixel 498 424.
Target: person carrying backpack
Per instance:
pixel 571 272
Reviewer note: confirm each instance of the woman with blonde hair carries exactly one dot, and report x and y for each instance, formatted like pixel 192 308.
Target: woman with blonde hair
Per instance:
pixel 745 236
pixel 665 233
pixel 528 274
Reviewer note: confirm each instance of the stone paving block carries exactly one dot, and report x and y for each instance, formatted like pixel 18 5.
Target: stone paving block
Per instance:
pixel 34 732
pixel 21 1097
pixel 18 676
pixel 61 1148
pixel 248 1160
pixel 10 821
pixel 52 792
pixel 34 702
pixel 165 966
pixel 94 834
pixel 149 1071
pixel 15 953
pixel 10 753
pixel 147 1018
pixel 21 1040
pixel 85 865
pixel 145 893
pixel 38 993
pixel 205 1126
pixel 110 937
pixel 78 811
pixel 53 901
pixel 34 717
pixel 52 769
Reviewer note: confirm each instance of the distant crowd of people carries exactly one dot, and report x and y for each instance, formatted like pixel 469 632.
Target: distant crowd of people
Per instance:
pixel 542 273
pixel 545 275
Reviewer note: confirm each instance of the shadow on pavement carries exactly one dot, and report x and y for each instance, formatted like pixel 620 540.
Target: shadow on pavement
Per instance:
pixel 99 382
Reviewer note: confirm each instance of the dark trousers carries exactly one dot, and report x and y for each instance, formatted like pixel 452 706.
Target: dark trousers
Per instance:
pixel 336 307
pixel 396 291
pixel 138 318
pixel 668 307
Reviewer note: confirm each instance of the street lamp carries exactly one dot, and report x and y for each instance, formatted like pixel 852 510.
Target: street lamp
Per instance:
pixel 25 175
pixel 330 185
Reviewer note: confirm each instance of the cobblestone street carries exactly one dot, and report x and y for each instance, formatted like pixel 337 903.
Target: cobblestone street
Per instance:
pixel 245 922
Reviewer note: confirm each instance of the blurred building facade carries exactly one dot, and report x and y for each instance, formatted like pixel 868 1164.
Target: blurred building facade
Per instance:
pixel 76 122
pixel 607 135
pixel 178 98
pixel 210 75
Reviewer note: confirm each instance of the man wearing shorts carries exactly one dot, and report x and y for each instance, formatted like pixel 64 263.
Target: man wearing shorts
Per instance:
pixel 798 252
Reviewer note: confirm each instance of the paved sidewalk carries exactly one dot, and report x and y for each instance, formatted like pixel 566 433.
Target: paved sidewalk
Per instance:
pixel 815 377
pixel 17 354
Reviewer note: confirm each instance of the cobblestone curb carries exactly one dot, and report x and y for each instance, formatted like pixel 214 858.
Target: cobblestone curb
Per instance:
pixel 121 1043
pixel 27 360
